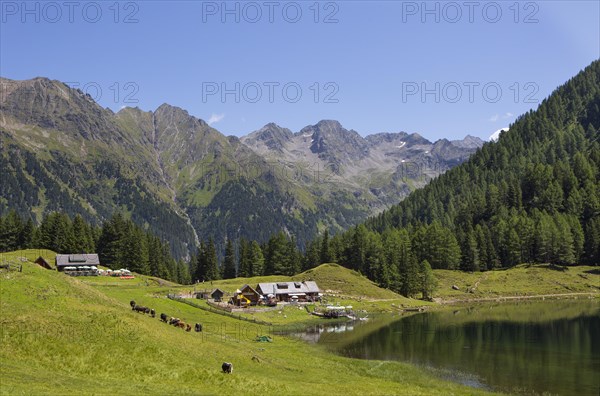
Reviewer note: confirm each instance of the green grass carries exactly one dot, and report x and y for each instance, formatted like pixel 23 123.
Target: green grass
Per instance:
pixel 520 281
pixel 339 285
pixel 63 335
pixel 29 254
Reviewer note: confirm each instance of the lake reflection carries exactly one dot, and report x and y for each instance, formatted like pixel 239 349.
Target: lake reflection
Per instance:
pixel 532 347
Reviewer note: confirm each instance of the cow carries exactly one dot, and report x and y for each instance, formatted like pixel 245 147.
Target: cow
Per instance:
pixel 132 303
pixel 181 325
pixel 153 313
pixel 139 308
pixel 174 321
pixel 227 368
pixel 163 317
pixel 198 328
pixel 188 327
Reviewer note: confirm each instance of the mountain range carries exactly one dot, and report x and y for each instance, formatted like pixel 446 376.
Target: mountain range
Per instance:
pixel 174 174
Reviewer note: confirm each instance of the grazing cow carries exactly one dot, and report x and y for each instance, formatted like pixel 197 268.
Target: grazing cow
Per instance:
pixel 227 368
pixel 198 328
pixel 188 327
pixel 132 303
pixel 153 313
pixel 174 321
pixel 163 317
pixel 181 325
pixel 139 308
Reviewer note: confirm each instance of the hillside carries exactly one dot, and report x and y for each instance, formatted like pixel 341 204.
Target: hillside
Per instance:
pixel 61 335
pixel 533 196
pixel 175 175
pixel 331 278
pixel 519 282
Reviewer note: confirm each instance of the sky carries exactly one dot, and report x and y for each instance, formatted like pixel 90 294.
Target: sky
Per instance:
pixel 441 69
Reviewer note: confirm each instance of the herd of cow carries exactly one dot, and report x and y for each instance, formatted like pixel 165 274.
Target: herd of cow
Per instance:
pixel 165 318
pixel 226 366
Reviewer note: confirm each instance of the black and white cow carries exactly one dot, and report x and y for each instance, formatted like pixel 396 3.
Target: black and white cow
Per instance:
pixel 198 327
pixel 163 317
pixel 227 368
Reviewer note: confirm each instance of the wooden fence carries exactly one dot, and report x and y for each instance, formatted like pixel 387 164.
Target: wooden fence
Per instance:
pixel 218 311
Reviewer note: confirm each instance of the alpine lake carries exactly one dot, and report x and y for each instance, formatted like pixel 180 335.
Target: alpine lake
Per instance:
pixel 529 347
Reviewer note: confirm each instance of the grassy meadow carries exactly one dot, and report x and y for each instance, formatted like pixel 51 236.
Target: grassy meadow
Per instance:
pixel 63 335
pixel 522 281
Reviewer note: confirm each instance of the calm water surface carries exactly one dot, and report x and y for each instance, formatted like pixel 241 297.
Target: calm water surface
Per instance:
pixel 548 347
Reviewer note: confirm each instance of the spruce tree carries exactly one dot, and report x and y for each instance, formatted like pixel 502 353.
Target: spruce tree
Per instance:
pixel 325 253
pixel 212 263
pixel 229 270
pixel 245 267
pixel 256 259
pixel 428 281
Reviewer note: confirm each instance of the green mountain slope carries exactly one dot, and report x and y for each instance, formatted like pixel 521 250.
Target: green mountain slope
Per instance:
pixel 177 176
pixel 533 196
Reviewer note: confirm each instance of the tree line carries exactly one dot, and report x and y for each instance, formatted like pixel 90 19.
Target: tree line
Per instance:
pixel 120 243
pixel 531 197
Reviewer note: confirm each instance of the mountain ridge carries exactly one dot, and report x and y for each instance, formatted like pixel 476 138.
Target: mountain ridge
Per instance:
pixel 175 174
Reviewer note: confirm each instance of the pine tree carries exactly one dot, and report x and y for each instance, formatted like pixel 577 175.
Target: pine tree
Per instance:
pixel 245 267
pixel 80 234
pixel 11 230
pixel 111 241
pixel 256 259
pixel 312 255
pixel 276 260
pixel 135 254
pixel 428 281
pixel 470 252
pixel 592 242
pixel 565 252
pixel 63 239
pixel 325 253
pixel 356 253
pixel 27 235
pixel 201 264
pixel 229 270
pixel 212 264
pixel 513 248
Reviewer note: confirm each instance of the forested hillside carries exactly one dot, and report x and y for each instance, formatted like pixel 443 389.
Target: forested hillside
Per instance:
pixel 119 242
pixel 179 178
pixel 531 197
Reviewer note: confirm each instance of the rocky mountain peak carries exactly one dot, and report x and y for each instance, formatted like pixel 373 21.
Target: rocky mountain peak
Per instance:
pixel 469 141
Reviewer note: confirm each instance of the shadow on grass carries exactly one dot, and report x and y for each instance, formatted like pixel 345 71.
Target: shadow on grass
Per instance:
pixel 595 271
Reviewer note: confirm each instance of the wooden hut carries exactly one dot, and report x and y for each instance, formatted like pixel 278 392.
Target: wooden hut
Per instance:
pixel 43 263
pixel 217 295
pixel 246 296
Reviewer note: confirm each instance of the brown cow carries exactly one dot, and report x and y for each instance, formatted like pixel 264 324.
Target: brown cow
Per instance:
pixel 188 327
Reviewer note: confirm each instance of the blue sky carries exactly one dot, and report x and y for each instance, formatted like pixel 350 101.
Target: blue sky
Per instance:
pixel 442 69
